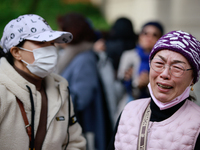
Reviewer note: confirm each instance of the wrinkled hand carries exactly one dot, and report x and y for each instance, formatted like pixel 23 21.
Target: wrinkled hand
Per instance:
pixel 143 79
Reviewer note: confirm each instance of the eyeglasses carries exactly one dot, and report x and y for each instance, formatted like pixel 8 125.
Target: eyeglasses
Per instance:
pixel 159 65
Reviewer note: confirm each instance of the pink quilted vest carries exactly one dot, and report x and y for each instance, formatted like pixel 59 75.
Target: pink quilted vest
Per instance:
pixel 179 132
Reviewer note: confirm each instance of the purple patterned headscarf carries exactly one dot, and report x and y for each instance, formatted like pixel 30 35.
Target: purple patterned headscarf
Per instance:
pixel 183 43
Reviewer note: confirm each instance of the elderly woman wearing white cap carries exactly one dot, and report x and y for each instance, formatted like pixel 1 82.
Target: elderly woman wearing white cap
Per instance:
pixel 36 111
pixel 168 120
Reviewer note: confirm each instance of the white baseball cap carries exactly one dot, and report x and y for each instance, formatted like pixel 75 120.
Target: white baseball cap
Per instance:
pixel 31 27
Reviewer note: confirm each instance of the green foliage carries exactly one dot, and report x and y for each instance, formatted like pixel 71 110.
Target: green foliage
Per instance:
pixel 50 10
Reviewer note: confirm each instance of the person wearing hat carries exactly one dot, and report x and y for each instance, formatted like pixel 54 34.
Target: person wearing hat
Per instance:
pixel 169 119
pixel 36 111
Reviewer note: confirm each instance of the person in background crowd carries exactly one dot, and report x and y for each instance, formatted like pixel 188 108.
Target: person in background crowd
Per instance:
pixel 112 87
pixel 36 111
pixel 83 38
pixel 134 65
pixel 169 118
pixel 121 37
pixel 84 81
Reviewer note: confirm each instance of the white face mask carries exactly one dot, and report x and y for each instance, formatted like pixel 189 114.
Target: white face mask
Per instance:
pixel 45 60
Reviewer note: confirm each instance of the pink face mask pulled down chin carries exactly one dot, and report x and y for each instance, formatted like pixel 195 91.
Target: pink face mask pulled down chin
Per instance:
pixel 173 102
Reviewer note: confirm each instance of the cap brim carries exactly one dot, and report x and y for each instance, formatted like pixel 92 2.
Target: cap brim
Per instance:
pixel 58 36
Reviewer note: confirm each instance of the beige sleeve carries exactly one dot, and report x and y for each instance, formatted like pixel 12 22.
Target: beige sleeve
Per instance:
pixel 76 140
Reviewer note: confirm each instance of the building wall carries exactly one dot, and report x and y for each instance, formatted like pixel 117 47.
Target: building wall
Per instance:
pixel 174 14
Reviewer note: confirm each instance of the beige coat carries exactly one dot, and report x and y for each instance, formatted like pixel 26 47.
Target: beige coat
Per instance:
pixel 13 135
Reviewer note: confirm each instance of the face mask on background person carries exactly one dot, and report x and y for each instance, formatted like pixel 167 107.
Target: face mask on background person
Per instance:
pixel 45 60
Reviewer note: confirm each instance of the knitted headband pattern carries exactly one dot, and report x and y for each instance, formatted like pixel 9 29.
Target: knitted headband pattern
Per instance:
pixel 183 43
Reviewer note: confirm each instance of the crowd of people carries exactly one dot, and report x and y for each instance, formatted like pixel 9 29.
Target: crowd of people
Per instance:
pixel 79 88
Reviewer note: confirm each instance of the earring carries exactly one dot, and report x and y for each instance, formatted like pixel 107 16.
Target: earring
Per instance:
pixel 192 88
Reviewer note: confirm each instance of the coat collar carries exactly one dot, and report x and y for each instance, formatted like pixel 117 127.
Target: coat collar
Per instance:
pixel 15 83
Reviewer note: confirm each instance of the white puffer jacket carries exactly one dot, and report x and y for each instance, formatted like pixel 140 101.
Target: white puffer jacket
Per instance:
pixel 179 132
